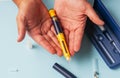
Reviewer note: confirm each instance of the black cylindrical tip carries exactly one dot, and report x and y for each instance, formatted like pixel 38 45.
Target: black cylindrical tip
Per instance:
pixel 63 71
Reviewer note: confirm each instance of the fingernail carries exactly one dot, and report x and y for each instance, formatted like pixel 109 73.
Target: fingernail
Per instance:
pixel 72 53
pixel 102 22
pixel 18 38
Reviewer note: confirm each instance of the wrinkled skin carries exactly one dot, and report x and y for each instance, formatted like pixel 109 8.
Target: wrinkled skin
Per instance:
pixel 33 18
pixel 72 15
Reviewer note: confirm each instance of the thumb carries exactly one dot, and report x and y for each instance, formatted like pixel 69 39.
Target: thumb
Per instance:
pixel 21 28
pixel 90 12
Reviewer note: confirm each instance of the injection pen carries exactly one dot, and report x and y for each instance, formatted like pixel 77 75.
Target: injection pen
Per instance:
pixel 60 34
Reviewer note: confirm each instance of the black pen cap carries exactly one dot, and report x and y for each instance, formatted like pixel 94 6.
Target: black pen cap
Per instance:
pixel 63 71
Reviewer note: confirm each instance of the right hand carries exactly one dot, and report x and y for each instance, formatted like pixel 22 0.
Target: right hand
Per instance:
pixel 73 15
pixel 33 17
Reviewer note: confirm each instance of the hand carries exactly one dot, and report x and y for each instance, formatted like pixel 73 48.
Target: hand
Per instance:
pixel 73 15
pixel 33 17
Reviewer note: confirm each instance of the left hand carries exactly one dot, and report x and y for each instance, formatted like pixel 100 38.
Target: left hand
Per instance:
pixel 33 18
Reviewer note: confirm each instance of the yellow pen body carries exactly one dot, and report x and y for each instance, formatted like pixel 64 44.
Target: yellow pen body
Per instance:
pixel 63 45
pixel 60 34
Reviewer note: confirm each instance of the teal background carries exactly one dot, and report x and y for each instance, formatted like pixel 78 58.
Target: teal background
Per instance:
pixel 17 61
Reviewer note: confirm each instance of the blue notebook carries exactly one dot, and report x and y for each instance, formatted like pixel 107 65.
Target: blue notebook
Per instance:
pixel 105 38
